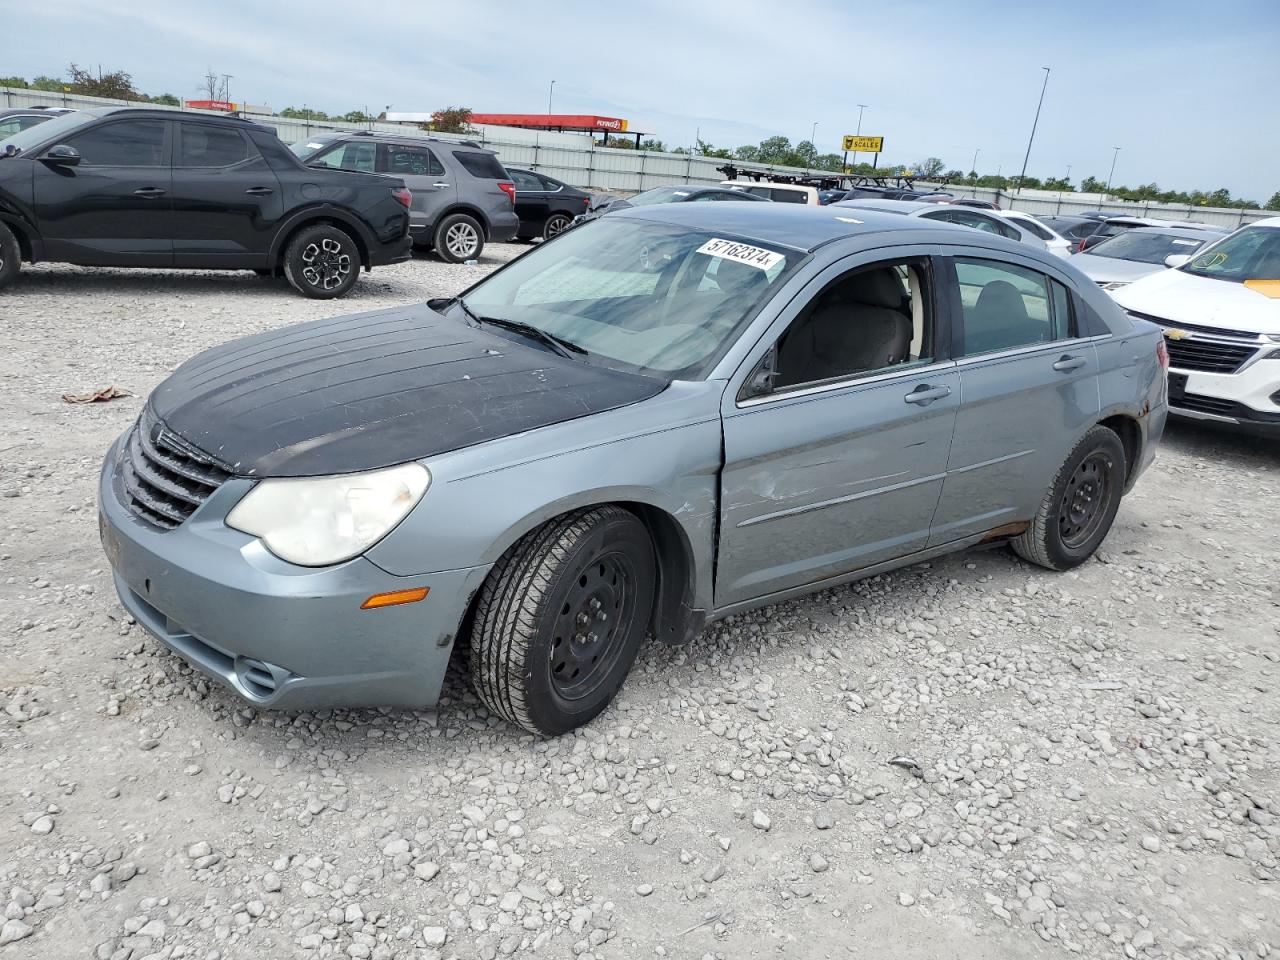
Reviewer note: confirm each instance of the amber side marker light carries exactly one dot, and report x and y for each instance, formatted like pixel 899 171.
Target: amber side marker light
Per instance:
pixel 395 598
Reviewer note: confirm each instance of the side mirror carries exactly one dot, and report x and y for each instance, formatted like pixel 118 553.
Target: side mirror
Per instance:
pixel 760 383
pixel 1176 259
pixel 62 155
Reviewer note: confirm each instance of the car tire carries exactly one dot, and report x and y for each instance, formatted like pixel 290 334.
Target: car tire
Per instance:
pixel 322 262
pixel 556 224
pixel 459 238
pixel 560 619
pixel 10 256
pixel 1077 512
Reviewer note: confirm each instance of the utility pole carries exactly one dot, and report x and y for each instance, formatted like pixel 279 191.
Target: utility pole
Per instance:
pixel 1112 173
pixel 861 107
pixel 973 167
pixel 549 93
pixel 1022 176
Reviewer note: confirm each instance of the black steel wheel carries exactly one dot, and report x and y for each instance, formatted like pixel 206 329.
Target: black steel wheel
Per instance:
pixel 561 617
pixel 1080 505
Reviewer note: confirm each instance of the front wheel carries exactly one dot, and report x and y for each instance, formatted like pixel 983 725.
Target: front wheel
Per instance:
pixel 556 224
pixel 10 256
pixel 561 617
pixel 1080 506
pixel 322 262
pixel 459 238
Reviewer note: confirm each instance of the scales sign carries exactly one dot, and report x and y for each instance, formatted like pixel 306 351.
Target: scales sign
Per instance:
pixel 863 144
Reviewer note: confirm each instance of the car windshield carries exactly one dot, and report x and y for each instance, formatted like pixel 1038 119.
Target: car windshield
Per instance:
pixel 643 297
pixel 1140 246
pixel 51 131
pixel 1249 254
pixel 660 195
pixel 309 147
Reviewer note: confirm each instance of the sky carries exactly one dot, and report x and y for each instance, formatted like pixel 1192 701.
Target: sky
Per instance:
pixel 1187 90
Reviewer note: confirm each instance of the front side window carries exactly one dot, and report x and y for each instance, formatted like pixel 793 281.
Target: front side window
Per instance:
pixel 1249 254
pixel 645 297
pixel 1006 306
pixel 122 143
pixel 11 126
pixel 871 320
pixel 404 160
pixel 204 145
pixel 348 156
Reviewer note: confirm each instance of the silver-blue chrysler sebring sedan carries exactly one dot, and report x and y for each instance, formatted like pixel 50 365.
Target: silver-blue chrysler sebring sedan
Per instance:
pixel 655 420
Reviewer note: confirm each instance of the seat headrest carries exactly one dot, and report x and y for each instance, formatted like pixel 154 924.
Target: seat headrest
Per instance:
pixel 877 288
pixel 1000 295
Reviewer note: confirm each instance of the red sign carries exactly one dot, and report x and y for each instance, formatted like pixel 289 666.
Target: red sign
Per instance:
pixel 226 106
pixel 552 121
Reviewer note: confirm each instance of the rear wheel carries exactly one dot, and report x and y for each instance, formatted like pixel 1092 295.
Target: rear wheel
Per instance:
pixel 459 238
pixel 10 256
pixel 322 262
pixel 1080 506
pixel 561 617
pixel 556 224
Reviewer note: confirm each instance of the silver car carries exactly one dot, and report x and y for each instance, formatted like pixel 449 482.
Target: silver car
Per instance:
pixel 989 221
pixel 661 418
pixel 1127 256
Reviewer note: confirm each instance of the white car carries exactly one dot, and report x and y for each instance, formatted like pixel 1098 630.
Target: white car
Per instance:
pixel 1118 261
pixel 1056 242
pixel 989 221
pixel 777 192
pixel 1220 310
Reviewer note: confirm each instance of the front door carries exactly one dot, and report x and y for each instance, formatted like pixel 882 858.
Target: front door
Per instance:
pixel 226 200
pixel 1030 386
pixel 115 209
pixel 835 462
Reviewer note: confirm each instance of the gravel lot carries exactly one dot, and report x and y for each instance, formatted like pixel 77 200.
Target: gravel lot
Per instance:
pixel 1096 752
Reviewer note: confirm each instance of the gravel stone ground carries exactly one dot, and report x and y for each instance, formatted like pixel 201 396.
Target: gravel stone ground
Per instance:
pixel 969 758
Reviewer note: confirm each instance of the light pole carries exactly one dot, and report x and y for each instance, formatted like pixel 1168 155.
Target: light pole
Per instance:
pixel 973 167
pixel 1112 173
pixel 1034 123
pixel 813 134
pixel 549 93
pixel 861 107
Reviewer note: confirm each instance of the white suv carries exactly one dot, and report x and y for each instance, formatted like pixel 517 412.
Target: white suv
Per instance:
pixel 777 192
pixel 1220 310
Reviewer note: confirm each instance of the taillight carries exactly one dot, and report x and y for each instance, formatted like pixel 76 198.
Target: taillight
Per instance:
pixel 509 189
pixel 404 195
pixel 586 201
pixel 1162 353
pixel 1081 249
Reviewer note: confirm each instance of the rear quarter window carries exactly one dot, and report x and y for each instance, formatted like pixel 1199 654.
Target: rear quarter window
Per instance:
pixel 484 166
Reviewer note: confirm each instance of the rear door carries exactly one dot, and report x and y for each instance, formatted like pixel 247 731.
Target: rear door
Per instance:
pixel 839 466
pixel 425 176
pixel 533 202
pixel 116 207
pixel 227 202
pixel 1029 385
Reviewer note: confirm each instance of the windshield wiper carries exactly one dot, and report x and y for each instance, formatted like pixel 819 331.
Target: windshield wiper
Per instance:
pixel 566 348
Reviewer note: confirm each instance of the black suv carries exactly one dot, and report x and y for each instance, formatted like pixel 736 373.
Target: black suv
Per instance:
pixel 129 187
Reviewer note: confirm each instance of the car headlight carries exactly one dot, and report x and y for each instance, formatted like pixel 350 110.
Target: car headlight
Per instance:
pixel 1115 284
pixel 318 521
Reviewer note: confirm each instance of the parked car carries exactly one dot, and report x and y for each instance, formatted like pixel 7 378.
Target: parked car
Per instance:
pixel 975 202
pixel 669 415
pixel 1057 244
pixel 680 193
pixel 545 206
pixel 777 192
pixel 462 195
pixel 988 221
pixel 1220 312
pixel 831 196
pixel 129 187
pixel 1074 228
pixel 1131 255
pixel 1113 225
pixel 15 119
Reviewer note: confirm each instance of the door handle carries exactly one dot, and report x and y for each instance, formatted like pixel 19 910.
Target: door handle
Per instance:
pixel 259 191
pixel 1068 362
pixel 149 192
pixel 440 184
pixel 925 394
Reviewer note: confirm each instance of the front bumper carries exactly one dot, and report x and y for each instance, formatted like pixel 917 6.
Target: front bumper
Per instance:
pixel 278 635
pixel 1240 401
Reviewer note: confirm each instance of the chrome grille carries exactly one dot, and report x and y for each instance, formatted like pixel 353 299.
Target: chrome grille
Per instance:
pixel 164 480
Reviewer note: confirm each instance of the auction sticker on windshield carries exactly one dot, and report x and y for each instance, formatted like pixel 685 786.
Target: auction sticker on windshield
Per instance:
pixel 741 253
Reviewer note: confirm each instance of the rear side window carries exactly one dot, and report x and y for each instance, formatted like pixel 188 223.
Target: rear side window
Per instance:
pixel 484 166
pixel 526 181
pixel 204 145
pixel 1035 228
pixel 787 196
pixel 409 161
pixel 124 143
pixel 1007 306
pixel 549 184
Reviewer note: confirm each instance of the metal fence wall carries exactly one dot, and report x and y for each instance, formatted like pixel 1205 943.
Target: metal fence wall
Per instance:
pixel 576 159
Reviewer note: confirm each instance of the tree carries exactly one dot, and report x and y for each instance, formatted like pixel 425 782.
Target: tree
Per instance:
pixel 1058 183
pixel 293 113
pixel 649 143
pixel 213 86
pixel 929 168
pixel 117 84
pixel 19 82
pixel 168 99
pixel 1092 185
pixel 355 116
pixel 707 150
pixel 451 120
pixel 1274 202
pixel 748 153
pixel 774 150
pixel 48 84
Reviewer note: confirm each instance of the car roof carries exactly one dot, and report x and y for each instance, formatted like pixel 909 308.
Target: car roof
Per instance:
pixel 404 139
pixel 1271 222
pixel 800 227
pixel 890 206
pixel 155 114
pixel 1176 231
pixel 731 184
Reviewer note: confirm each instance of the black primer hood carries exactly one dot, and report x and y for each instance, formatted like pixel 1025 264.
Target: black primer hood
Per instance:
pixel 375 389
